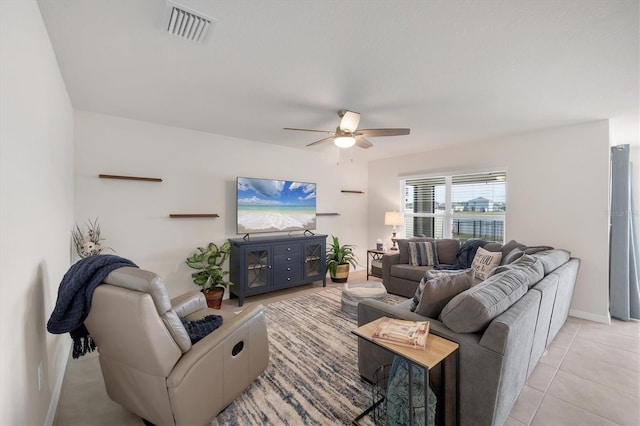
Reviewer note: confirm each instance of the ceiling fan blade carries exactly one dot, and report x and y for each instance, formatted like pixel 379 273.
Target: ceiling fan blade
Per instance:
pixel 309 130
pixel 349 121
pixel 320 141
pixel 362 142
pixel 382 132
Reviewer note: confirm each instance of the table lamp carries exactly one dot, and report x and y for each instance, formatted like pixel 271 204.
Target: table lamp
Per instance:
pixel 393 218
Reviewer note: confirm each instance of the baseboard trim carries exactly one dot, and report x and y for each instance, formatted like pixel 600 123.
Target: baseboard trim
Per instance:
pixel 605 319
pixel 60 369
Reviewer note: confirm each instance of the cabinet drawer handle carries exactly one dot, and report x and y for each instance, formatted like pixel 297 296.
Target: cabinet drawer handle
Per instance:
pixel 289 279
pixel 288 248
pixel 288 269
pixel 288 258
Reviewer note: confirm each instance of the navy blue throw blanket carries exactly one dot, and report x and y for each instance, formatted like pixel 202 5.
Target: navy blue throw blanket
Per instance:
pixel 199 328
pixel 465 255
pixel 74 298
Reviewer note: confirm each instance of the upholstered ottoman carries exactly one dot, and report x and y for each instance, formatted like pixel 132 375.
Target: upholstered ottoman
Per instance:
pixel 353 293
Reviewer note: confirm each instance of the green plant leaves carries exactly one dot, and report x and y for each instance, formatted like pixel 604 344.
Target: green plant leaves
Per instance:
pixel 339 255
pixel 209 262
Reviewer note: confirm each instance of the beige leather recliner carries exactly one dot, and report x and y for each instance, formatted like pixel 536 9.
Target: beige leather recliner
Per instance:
pixel 147 359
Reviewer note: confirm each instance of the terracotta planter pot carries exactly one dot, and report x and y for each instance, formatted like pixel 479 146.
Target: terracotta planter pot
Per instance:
pixel 214 297
pixel 342 274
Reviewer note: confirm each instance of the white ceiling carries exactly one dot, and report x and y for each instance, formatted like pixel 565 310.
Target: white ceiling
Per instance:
pixel 452 71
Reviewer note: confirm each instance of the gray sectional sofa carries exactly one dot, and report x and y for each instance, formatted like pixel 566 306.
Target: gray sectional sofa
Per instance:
pixel 503 325
pixel 401 278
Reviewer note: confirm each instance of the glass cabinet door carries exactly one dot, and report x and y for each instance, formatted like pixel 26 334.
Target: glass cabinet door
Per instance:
pixel 313 256
pixel 257 268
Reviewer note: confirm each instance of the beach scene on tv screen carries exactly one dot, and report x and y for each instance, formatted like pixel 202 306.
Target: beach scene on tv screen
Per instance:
pixel 266 205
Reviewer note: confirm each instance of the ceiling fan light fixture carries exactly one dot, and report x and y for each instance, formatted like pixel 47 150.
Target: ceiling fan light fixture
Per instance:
pixel 345 141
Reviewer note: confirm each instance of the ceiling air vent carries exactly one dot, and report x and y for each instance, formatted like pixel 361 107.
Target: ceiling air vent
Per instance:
pixel 186 23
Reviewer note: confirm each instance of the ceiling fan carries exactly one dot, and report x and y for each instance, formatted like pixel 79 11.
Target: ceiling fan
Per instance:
pixel 347 134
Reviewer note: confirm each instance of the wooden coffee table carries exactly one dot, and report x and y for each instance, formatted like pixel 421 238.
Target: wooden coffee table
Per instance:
pixel 437 351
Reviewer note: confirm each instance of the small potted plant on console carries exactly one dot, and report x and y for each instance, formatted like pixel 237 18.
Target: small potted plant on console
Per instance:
pixel 210 276
pixel 339 257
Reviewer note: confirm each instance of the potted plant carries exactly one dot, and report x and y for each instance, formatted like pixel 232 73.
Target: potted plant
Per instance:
pixel 210 276
pixel 89 244
pixel 339 257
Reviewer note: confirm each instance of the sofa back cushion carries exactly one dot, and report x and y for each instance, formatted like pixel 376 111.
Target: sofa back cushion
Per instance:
pixel 552 259
pixel 530 266
pixel 447 249
pixel 473 309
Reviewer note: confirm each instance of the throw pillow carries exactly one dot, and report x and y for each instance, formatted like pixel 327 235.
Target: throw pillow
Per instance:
pixel 403 247
pixel 438 292
pixel 437 273
pixel 536 249
pixel 416 297
pixel 512 256
pixel 428 276
pixel 485 262
pixel 422 254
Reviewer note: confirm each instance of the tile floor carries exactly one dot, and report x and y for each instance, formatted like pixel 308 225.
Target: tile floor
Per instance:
pixel 589 376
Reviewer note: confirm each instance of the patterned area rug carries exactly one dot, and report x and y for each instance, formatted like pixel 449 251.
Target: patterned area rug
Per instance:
pixel 312 377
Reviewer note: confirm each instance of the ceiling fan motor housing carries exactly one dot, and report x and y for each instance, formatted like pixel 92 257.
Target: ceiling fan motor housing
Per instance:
pixel 347 133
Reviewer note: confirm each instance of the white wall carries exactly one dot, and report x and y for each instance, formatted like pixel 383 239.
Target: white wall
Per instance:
pixel 557 194
pixel 199 173
pixel 36 212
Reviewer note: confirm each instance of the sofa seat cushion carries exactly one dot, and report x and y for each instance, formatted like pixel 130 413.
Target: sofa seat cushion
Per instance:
pixel 408 272
pixel 473 309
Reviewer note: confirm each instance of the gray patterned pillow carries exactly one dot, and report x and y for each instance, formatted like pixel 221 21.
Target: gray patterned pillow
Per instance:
pixel 422 253
pixel 431 277
pixel 416 297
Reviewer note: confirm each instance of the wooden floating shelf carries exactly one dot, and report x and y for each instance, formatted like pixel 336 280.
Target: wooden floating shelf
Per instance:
pixel 182 216
pixel 327 214
pixel 147 179
pixel 351 192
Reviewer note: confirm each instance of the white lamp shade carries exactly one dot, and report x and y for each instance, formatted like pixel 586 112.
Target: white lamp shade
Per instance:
pixel 393 218
pixel 345 141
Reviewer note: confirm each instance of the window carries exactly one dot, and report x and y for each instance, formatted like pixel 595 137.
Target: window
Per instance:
pixel 455 206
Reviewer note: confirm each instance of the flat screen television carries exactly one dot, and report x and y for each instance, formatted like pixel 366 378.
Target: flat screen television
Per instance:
pixel 270 205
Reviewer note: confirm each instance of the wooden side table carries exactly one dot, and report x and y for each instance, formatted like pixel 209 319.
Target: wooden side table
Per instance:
pixel 438 351
pixel 374 255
